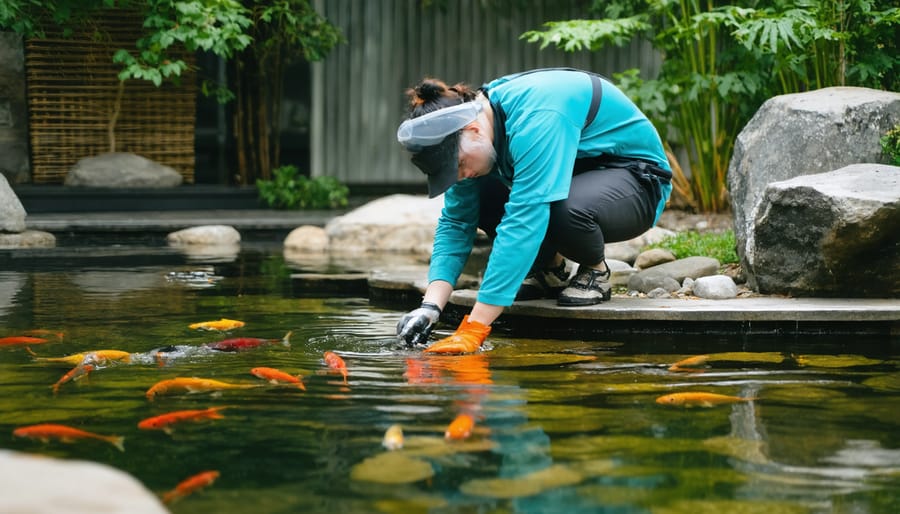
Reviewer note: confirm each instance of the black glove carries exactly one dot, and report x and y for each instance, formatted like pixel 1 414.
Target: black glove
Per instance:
pixel 414 327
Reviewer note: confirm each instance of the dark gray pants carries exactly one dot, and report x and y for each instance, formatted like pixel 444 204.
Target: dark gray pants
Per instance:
pixel 604 206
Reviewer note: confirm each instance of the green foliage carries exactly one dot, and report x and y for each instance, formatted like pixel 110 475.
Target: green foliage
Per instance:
pixel 722 61
pixel 718 245
pixel 890 144
pixel 290 190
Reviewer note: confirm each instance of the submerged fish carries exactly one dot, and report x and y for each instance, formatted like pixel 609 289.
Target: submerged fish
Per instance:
pixel 685 364
pixel 460 428
pixel 699 399
pixel 190 485
pixel 44 332
pixel 239 344
pixel 336 363
pixel 190 385
pixel 393 438
pixel 276 376
pixel 164 422
pixel 221 325
pixel 46 431
pixel 21 340
pixel 78 372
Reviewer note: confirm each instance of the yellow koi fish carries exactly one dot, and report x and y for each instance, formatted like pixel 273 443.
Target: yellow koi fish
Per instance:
pixel 191 385
pixel 699 399
pixel 393 438
pixel 100 356
pixel 220 325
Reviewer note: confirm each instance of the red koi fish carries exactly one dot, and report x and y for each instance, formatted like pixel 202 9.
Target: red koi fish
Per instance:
pixel 336 363
pixel 190 485
pixel 460 428
pixel 276 376
pixel 223 324
pixel 46 431
pixel 77 373
pixel 21 340
pixel 190 385
pixel 240 344
pixel 699 399
pixel 164 422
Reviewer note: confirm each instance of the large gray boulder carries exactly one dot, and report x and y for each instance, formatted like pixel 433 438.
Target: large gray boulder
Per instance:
pixel 12 213
pixel 804 134
pixel 395 223
pixel 829 234
pixel 121 170
pixel 13 110
pixel 42 485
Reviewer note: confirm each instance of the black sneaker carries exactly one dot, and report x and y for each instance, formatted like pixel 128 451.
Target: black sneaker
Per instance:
pixel 588 287
pixel 545 283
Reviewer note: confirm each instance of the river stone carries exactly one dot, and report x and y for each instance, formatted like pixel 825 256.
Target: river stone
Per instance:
pixel 803 134
pixel 652 257
pixel 829 234
pixel 620 272
pixel 44 485
pixel 395 223
pixel 693 267
pixel 12 213
pixel 715 287
pixel 28 239
pixel 121 170
pixel 307 238
pixel 214 235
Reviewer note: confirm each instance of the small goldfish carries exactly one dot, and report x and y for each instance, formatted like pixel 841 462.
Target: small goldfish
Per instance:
pixel 685 364
pixel 336 363
pixel 393 438
pixel 276 376
pixel 190 485
pixel 699 399
pixel 460 428
pixel 239 344
pixel 78 372
pixel 21 340
pixel 190 385
pixel 46 431
pixel 164 422
pixel 222 325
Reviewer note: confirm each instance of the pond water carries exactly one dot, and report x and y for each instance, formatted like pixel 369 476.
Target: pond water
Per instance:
pixel 560 425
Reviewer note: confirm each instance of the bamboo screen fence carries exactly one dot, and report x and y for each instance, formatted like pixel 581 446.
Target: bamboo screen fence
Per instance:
pixel 72 90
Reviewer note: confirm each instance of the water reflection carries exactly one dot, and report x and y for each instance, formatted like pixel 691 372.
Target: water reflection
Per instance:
pixel 10 285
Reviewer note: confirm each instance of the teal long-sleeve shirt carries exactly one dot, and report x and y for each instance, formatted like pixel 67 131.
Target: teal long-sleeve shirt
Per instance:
pixel 544 131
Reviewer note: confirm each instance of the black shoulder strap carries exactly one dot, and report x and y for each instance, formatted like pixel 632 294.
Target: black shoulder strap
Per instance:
pixel 596 85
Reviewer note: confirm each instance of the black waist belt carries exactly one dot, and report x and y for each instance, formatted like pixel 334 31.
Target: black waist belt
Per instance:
pixel 633 164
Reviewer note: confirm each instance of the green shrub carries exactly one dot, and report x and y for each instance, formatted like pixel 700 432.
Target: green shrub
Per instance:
pixel 290 190
pixel 718 245
pixel 890 144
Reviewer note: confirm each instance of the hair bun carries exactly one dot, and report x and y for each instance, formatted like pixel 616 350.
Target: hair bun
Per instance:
pixel 430 90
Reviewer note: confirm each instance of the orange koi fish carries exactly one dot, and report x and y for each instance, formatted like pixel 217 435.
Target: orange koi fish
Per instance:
pixel 78 372
pixel 336 363
pixel 460 428
pixel 220 325
pixel 393 438
pixel 190 485
pixel 66 434
pixel 190 385
pixel 699 399
pixel 44 332
pixel 276 376
pixel 21 340
pixel 77 358
pixel 686 364
pixel 164 422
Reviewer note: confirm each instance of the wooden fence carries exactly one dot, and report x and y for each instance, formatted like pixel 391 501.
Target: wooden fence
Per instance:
pixel 358 99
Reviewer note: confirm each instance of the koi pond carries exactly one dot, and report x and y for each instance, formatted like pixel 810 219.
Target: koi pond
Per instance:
pixel 805 425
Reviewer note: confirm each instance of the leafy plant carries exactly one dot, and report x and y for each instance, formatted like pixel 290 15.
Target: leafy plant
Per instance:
pixel 718 245
pixel 290 190
pixel 890 145
pixel 721 61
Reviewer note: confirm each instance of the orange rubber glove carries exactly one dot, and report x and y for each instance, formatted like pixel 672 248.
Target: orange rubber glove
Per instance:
pixel 467 338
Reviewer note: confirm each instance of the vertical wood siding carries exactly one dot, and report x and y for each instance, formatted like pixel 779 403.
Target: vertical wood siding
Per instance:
pixel 358 90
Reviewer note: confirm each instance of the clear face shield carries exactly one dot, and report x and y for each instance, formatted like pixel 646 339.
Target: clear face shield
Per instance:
pixel 430 129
